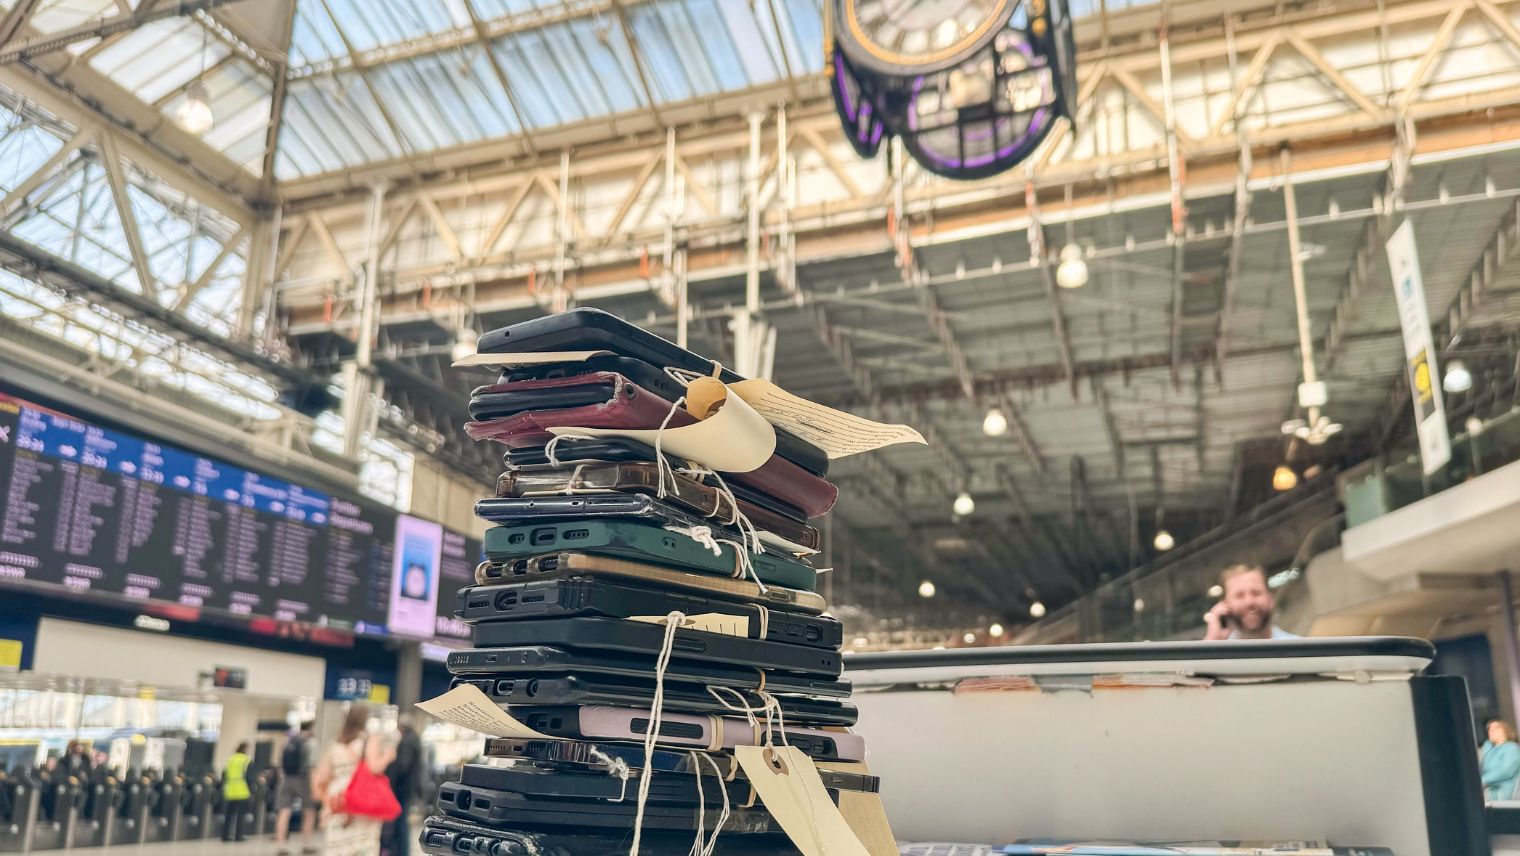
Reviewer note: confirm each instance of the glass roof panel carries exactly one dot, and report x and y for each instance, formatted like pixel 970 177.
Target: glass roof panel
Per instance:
pixel 159 57
pixel 54 15
pixel 370 24
pixel 717 43
pixel 313 36
pixel 333 123
pixel 753 53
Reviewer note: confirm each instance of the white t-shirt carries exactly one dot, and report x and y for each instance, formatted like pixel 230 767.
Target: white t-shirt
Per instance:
pixel 1277 633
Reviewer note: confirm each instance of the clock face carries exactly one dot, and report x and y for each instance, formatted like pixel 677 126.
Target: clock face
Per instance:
pixel 907 36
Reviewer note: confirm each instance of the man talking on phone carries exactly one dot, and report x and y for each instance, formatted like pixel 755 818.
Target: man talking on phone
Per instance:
pixel 1245 610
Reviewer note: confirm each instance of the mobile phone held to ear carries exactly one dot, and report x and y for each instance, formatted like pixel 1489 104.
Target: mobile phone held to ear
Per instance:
pixel 1226 620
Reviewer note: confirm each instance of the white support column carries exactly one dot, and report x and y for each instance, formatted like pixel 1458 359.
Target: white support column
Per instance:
pixel 357 379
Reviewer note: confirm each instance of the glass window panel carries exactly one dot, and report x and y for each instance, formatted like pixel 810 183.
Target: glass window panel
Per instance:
pixel 759 64
pixel 660 56
pixel 607 53
pixel 718 44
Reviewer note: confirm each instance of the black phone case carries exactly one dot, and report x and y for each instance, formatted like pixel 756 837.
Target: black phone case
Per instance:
pixel 589 596
pixel 499 405
pixel 655 380
pixel 617 450
pixel 545 782
pixel 560 721
pixel 642 541
pixel 450 836
pixel 577 754
pixel 534 659
pixel 637 637
pixel 558 689
pixel 510 810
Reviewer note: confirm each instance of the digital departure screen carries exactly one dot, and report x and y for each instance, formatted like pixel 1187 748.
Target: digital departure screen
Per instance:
pixel 96 510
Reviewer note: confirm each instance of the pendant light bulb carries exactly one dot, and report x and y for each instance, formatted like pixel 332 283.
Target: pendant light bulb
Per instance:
pixel 1164 541
pixel 1072 271
pixel 995 631
pixel 926 589
pixel 1458 378
pixel 995 424
pixel 964 505
pixel 1037 610
pixel 194 113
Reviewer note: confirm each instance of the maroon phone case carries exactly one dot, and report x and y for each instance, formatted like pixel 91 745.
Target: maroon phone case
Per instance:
pixel 644 410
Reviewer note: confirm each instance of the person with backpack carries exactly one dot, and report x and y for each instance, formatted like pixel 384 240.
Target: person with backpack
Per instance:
pixel 296 764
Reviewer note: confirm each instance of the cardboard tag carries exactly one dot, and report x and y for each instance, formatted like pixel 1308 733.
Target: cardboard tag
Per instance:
pixel 868 818
pixel 710 622
pixel 730 435
pixel 837 433
pixel 467 706
pixel 789 787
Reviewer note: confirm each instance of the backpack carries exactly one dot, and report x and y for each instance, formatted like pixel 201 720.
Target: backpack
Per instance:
pixel 293 759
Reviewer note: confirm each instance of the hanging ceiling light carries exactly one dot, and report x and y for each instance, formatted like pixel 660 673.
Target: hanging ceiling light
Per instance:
pixel 1037 610
pixel 1458 378
pixel 194 113
pixel 1474 426
pixel 1072 272
pixel 995 631
pixel 1216 590
pixel 969 638
pixel 1316 433
pixel 1283 478
pixel 926 589
pixel 466 342
pixel 995 424
pixel 964 505
pixel 1139 604
pixel 1164 541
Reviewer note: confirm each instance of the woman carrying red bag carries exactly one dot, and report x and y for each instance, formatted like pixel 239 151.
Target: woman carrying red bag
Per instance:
pixel 356 797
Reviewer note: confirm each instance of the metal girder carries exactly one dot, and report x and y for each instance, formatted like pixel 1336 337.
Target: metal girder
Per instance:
pixel 1013 413
pixel 117 176
pixel 281 69
pixel 619 7
pixel 31 183
pixel 19 14
pixel 940 324
pixel 27 260
pixel 37 46
pixel 402 142
pixel 1374 234
pixel 1041 257
pixel 1237 247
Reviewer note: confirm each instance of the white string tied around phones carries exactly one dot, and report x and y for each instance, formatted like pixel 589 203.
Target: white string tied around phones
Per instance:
pixel 673 622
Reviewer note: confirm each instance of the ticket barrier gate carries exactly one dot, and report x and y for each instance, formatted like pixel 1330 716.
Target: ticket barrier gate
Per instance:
pixel 162 820
pixel 132 813
pixel 58 806
pixel 18 814
pixel 97 818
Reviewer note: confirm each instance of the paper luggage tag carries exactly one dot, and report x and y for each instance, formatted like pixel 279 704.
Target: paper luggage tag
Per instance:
pixel 710 622
pixel 513 361
pixel 868 818
pixel 728 436
pixel 837 433
pixel 466 705
pixel 788 785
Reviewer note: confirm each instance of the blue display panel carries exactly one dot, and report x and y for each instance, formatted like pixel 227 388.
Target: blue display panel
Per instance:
pixel 95 510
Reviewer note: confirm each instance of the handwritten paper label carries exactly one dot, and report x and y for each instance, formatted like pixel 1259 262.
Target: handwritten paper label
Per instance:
pixel 796 797
pixel 837 433
pixel 467 706
pixel 710 622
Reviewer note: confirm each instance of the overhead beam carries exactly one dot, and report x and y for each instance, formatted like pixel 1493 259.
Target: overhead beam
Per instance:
pixel 18 15
pixel 117 176
pixel 39 45
pixel 1041 258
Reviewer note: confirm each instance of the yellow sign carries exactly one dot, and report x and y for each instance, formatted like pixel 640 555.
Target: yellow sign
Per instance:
pixel 379 694
pixel 10 653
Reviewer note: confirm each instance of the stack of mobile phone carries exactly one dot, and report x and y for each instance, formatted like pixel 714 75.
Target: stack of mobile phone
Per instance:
pixel 596 543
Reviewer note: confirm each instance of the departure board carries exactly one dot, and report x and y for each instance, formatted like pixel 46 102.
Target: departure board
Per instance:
pixel 94 510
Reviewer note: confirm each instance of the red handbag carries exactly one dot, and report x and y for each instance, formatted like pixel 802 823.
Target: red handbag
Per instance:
pixel 369 795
